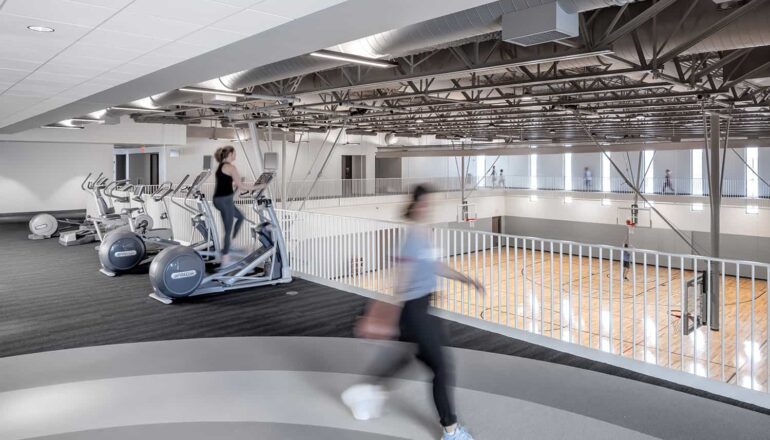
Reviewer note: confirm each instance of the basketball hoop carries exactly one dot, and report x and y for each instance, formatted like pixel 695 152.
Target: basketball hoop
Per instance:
pixel 631 226
pixel 471 222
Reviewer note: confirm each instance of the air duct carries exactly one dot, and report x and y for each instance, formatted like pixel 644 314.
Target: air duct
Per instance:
pixel 472 24
pixel 539 25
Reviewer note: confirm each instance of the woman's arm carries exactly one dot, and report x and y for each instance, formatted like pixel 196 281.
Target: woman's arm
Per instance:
pixel 445 271
pixel 232 171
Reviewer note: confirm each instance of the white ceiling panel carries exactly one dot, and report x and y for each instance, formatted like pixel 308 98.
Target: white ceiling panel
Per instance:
pixel 99 44
pixel 67 67
pixel 6 63
pixel 14 28
pixel 38 52
pixel 33 92
pixel 250 22
pixel 56 78
pixel 201 12
pixel 104 52
pixel 114 4
pixel 294 8
pixel 80 62
pixel 161 28
pixel 33 84
pixel 134 42
pixel 240 3
pixel 59 11
pixel 213 39
pixel 11 75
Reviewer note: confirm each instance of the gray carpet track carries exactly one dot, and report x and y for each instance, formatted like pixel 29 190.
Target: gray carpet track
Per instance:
pixel 53 297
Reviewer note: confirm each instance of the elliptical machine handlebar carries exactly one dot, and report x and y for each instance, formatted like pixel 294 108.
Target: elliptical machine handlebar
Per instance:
pixel 84 184
pixel 112 186
pixel 182 187
pixel 163 191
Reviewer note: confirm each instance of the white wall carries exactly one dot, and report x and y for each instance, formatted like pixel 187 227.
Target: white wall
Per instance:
pixel 591 160
pixel 764 170
pixel 190 159
pixel 734 218
pixel 47 176
pixel 432 167
pixel 551 168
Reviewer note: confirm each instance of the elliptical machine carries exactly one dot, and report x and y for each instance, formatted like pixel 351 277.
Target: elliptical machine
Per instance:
pixel 107 220
pixel 123 250
pixel 180 272
pixel 44 226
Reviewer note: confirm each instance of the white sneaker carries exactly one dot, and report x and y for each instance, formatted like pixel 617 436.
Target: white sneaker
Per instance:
pixel 365 401
pixel 461 433
pixel 227 260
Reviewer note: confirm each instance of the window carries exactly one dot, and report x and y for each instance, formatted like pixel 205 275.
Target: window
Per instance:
pixel 533 171
pixel 568 171
pixel 752 181
pixel 649 176
pixel 697 172
pixel 481 171
pixel 606 182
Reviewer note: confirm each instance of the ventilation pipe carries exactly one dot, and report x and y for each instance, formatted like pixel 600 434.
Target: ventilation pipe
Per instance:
pixel 471 24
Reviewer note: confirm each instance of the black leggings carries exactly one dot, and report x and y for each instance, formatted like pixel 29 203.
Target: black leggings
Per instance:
pixel 226 207
pixel 428 333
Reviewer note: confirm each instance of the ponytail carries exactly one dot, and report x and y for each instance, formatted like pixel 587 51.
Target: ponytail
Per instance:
pixel 419 192
pixel 223 152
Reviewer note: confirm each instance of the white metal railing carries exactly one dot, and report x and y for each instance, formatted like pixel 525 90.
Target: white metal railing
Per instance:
pixel 574 292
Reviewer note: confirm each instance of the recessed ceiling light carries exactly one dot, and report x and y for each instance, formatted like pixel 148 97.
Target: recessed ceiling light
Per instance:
pixel 40 28
pixel 419 121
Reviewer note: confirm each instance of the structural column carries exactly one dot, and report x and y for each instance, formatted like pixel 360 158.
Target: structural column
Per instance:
pixel 283 172
pixel 715 192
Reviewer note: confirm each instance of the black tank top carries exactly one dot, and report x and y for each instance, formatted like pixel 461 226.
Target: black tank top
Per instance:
pixel 224 183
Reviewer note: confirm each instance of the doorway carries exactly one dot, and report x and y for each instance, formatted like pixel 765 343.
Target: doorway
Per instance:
pixel 497 223
pixel 120 166
pixel 353 175
pixel 138 168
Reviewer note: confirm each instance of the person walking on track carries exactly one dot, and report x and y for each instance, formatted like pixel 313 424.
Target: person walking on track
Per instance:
pixel 417 282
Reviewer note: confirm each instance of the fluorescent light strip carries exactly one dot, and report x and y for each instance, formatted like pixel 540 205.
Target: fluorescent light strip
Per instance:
pixel 352 59
pixel 66 127
pixel 98 121
pixel 137 109
pixel 213 92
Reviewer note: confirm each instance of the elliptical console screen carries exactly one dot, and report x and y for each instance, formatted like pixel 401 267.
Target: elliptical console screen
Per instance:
pixel 264 179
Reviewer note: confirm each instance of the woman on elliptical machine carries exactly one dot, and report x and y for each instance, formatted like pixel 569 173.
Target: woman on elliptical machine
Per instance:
pixel 227 181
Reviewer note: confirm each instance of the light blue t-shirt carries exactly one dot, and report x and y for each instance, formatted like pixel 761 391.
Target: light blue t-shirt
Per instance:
pixel 418 260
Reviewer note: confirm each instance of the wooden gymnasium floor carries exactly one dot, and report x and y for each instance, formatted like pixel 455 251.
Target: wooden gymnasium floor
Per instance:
pixel 580 300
